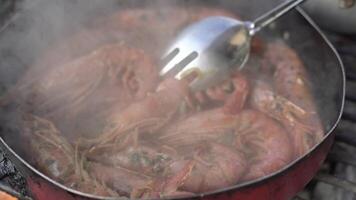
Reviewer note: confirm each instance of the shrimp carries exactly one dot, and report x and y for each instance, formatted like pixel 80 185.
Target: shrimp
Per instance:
pixel 57 158
pixel 146 115
pixel 209 125
pixel 291 72
pixel 266 145
pixel 264 142
pixel 210 167
pixel 150 159
pixel 217 166
pixel 233 94
pixel 290 102
pixel 88 88
pixel 165 21
pixel 121 180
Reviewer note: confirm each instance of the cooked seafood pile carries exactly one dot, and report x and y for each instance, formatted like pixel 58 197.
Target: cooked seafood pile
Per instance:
pixel 98 118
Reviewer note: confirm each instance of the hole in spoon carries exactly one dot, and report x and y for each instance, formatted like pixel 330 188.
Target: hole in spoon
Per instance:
pixel 165 60
pixel 182 64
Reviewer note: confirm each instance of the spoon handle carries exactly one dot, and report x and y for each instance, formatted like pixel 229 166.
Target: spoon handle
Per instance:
pixel 272 15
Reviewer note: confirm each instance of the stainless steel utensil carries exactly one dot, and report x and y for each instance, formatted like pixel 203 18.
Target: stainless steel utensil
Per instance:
pixel 214 46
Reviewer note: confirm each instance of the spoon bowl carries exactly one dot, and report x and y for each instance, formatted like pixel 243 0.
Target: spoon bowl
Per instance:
pixel 201 47
pixel 212 48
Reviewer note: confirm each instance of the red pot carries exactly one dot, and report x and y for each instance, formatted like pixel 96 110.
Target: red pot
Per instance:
pixel 326 73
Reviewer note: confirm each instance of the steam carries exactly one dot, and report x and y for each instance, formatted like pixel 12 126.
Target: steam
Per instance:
pixel 38 25
pixel 34 25
pixel 31 27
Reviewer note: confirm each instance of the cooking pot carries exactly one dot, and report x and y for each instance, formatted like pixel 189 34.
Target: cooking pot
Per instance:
pixel 335 15
pixel 21 43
